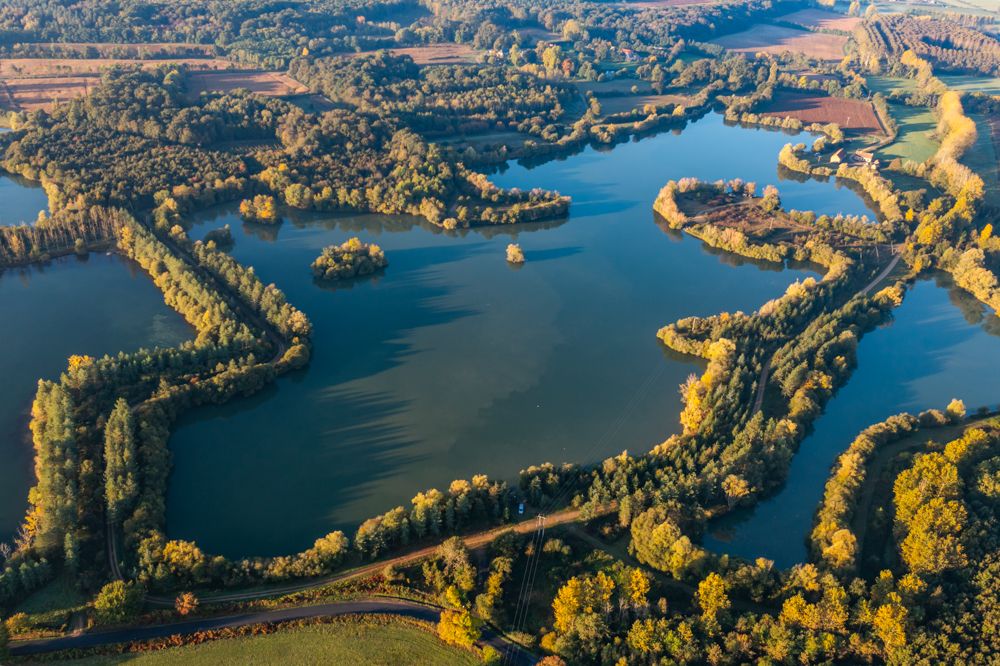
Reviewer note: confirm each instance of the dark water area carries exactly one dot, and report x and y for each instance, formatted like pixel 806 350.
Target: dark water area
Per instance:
pixel 941 344
pixel 453 363
pixel 98 305
pixel 20 200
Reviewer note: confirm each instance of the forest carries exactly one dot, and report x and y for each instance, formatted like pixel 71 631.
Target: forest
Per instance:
pixel 127 166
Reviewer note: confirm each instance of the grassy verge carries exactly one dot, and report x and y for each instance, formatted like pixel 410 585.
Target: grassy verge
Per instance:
pixel 379 642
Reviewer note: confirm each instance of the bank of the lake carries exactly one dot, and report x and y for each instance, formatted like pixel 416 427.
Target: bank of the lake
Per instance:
pixel 454 363
pixel 98 305
pixel 940 345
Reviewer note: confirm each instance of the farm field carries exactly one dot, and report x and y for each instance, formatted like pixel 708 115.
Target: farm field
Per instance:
pixel 382 644
pixel 272 84
pixel 850 114
pixel 915 139
pixel 817 18
pixel 43 92
pixel 437 54
pixel 28 67
pixel 766 38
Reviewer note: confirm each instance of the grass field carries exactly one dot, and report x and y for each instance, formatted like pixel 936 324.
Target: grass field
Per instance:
pixel 614 86
pixel 622 103
pixel 887 84
pixel 817 18
pixel 983 157
pixel 766 38
pixel 850 114
pixel 915 139
pixel 989 85
pixel 349 643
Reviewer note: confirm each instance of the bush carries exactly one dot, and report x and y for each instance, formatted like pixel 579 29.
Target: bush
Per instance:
pixel 118 601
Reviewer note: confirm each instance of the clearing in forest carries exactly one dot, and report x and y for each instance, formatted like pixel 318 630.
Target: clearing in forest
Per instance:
pixel 822 20
pixel 624 103
pixel 43 93
pixel 850 114
pixel 271 84
pixel 437 54
pixel 766 38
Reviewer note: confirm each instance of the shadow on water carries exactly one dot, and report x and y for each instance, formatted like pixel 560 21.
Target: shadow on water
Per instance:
pixel 296 482
pixel 552 253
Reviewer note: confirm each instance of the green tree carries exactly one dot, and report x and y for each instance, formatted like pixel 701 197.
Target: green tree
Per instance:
pixel 121 485
pixel 118 601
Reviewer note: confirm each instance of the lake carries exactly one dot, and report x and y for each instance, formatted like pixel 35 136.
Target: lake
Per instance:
pixel 98 305
pixel 942 344
pixel 453 363
pixel 22 200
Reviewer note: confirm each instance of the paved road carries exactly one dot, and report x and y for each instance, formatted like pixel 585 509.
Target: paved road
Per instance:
pixel 397 607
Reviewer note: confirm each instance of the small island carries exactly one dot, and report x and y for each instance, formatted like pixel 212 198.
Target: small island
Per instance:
pixel 515 255
pixel 261 209
pixel 348 260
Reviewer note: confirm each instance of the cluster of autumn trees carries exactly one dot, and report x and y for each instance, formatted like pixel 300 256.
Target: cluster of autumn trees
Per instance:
pixel 349 259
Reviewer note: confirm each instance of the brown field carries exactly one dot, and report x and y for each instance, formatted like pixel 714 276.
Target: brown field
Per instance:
pixel 272 84
pixel 29 67
pixel 43 93
pixel 439 54
pixel 850 114
pixel 817 18
pixel 765 38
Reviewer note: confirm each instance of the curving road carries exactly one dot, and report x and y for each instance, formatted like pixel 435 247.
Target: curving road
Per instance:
pixel 397 607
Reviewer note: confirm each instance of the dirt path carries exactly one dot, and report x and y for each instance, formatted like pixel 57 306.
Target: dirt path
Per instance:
pixel 765 371
pixel 472 541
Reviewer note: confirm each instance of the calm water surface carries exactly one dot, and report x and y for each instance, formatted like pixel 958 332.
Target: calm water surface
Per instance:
pixel 453 363
pixel 941 345
pixel 95 306
pixel 20 200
